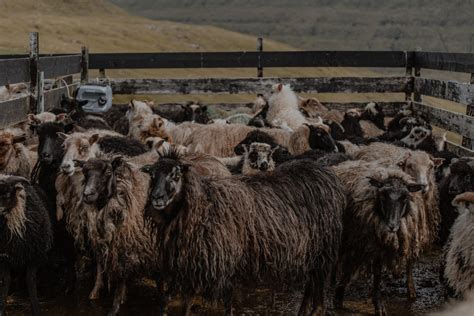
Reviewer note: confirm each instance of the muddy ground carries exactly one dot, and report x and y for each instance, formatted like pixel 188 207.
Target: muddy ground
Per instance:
pixel 261 301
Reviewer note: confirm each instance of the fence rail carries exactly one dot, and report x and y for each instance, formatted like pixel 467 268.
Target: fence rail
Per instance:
pixel 27 68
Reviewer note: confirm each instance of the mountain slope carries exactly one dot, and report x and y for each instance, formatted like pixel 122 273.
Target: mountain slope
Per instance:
pixel 330 24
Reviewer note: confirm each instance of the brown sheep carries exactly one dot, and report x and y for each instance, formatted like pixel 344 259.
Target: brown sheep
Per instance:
pixel 385 225
pixel 15 158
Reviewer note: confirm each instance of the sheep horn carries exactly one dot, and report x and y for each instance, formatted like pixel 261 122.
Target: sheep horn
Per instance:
pixel 17 179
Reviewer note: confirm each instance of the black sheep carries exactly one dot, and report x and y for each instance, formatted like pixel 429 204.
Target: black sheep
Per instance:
pixel 115 118
pixel 77 114
pixel 373 112
pixel 121 145
pixel 191 111
pixel 460 180
pixel 25 235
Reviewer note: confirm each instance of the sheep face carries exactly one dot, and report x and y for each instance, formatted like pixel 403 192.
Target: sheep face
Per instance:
pixel 312 108
pixel 50 143
pixel 373 112
pixel 196 113
pixel 71 105
pixel 152 127
pixel 138 110
pixel 8 192
pixel 99 179
pixel 461 178
pixel 320 138
pixel 393 197
pixel 416 136
pixel 166 185
pixel 464 202
pixel 420 166
pixel 258 157
pixel 77 147
pixel 7 142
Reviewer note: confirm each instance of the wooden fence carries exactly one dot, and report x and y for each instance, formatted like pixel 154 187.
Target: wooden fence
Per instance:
pixel 34 67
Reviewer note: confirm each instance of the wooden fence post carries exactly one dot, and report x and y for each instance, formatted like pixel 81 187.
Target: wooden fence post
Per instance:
pixel 84 65
pixel 417 95
pixel 40 92
pixel 410 59
pixel 260 50
pixel 34 58
pixel 467 142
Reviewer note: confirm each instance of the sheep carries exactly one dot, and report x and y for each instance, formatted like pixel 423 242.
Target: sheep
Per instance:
pixel 334 115
pixel 421 167
pixel 283 107
pixel 143 123
pixel 117 119
pixel 401 128
pixel 220 140
pixel 15 158
pixel 83 146
pixel 82 119
pixel 461 308
pixel 459 269
pixel 161 145
pixel 384 225
pixel 280 153
pixel 287 226
pixel 191 111
pixel 257 157
pixel 11 91
pixel 117 193
pixel 355 126
pixel 33 120
pixel 25 235
pixel 373 112
pixel 312 108
pixel 460 179
pixel 315 136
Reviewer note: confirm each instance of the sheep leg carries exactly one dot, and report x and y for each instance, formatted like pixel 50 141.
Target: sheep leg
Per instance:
pixel 341 288
pixel 99 283
pixel 308 294
pixel 188 304
pixel 377 295
pixel 228 301
pixel 5 278
pixel 31 285
pixel 119 298
pixel 163 295
pixel 411 290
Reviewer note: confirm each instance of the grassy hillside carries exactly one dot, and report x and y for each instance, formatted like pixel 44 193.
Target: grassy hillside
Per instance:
pixel 330 24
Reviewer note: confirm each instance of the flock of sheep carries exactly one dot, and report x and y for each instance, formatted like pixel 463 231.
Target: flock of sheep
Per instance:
pixel 293 192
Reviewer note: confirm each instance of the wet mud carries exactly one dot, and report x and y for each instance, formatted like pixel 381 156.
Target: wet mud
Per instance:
pixel 142 299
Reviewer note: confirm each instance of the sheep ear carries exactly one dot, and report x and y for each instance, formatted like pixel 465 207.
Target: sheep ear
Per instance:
pixel 437 161
pixel 19 139
pixel 117 162
pixel 279 87
pixel 62 136
pixel 79 163
pixel 31 118
pixel 61 117
pixel 93 139
pixel 131 105
pixel 414 187
pixel 274 149
pixel 147 169
pixel 375 183
pixel 160 143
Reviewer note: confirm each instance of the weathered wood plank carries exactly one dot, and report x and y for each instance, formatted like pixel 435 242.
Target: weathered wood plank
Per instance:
pixel 249 59
pixel 57 66
pixel 448 90
pixel 53 97
pixel 13 111
pixel 389 108
pixel 459 150
pixel 451 121
pixel 457 62
pixel 14 71
pixel 258 85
